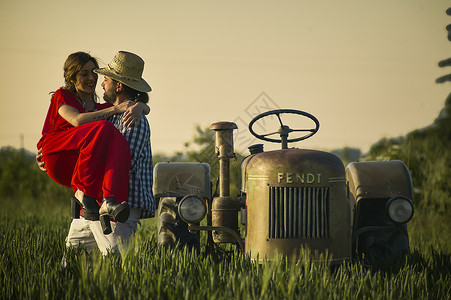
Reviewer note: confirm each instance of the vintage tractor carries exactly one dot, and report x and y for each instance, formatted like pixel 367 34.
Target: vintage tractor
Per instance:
pixel 290 199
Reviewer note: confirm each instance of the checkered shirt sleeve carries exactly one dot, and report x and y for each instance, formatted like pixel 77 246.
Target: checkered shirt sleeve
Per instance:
pixel 140 194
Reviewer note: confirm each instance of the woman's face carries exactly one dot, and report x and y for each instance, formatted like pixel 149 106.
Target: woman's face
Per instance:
pixel 86 79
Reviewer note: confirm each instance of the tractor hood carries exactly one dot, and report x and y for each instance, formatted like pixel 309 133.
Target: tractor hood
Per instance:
pixel 292 167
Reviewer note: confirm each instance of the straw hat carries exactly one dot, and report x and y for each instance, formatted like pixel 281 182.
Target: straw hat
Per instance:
pixel 127 68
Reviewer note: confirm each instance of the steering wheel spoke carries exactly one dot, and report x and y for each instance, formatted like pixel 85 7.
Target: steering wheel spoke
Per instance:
pixel 304 130
pixel 266 134
pixel 280 120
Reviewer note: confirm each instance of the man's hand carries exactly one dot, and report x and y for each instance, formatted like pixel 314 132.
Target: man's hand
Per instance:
pixel 132 115
pixel 40 163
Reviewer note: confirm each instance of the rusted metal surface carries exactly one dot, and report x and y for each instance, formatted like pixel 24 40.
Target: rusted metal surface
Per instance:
pixel 296 198
pixel 178 179
pixel 224 150
pixel 371 185
pixel 225 213
pixel 223 125
pixel 378 179
pixel 224 208
pixel 299 212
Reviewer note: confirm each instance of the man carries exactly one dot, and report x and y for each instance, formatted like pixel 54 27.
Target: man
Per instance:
pixel 123 82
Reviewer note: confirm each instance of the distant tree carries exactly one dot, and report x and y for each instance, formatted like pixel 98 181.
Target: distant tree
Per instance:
pixel 445 62
pixel 20 177
pixel 426 153
pixel 348 154
pixel 202 149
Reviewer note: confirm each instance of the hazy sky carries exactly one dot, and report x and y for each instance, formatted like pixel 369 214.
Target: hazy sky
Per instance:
pixel 366 69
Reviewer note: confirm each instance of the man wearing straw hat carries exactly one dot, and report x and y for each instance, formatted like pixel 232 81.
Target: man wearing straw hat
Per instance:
pixel 123 81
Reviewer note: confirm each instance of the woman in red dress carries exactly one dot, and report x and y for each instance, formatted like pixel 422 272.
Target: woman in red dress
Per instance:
pixel 83 151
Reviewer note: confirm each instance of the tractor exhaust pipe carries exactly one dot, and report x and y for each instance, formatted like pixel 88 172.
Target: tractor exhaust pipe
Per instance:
pixel 224 208
pixel 224 150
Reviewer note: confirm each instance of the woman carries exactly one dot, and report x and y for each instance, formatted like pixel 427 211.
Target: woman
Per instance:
pixel 83 151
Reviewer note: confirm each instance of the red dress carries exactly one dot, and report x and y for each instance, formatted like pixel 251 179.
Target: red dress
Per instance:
pixel 93 157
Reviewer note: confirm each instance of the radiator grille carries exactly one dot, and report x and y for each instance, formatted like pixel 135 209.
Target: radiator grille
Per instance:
pixel 298 212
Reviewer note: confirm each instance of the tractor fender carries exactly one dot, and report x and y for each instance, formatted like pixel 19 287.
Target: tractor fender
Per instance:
pixel 378 179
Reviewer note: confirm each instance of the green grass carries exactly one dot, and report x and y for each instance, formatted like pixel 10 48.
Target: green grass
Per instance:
pixel 32 243
pixel 32 246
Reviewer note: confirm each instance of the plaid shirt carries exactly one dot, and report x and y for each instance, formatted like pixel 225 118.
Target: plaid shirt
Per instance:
pixel 140 193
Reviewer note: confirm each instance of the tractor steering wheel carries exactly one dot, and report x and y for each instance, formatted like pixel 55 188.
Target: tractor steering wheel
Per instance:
pixel 284 130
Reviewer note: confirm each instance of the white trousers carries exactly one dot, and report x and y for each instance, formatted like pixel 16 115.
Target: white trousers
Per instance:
pixel 89 233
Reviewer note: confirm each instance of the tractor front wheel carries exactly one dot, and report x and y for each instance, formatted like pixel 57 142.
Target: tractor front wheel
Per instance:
pixel 171 229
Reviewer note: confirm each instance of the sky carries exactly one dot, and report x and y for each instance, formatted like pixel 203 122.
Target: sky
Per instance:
pixel 365 69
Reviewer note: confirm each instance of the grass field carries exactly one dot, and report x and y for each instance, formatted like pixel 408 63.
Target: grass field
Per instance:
pixel 32 245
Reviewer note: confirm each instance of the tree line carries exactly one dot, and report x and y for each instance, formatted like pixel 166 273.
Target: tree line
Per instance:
pixel 426 153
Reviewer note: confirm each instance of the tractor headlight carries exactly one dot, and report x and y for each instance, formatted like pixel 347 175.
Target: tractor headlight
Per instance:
pixel 399 209
pixel 192 209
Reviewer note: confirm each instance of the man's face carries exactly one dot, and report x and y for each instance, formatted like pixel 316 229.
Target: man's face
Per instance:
pixel 109 88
